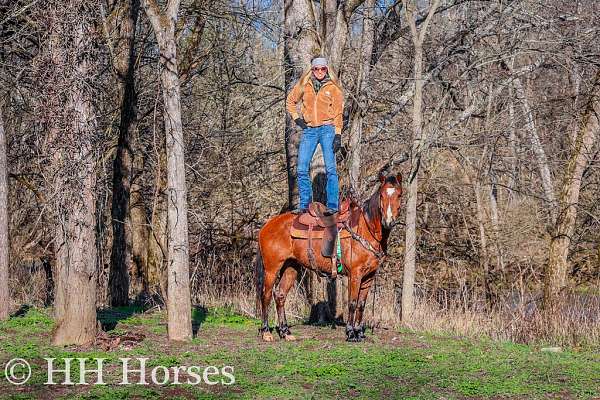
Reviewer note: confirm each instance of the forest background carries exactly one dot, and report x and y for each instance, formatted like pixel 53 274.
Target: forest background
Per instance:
pixel 495 103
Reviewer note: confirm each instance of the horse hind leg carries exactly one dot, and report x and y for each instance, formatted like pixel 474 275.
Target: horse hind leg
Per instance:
pixel 288 277
pixel 266 276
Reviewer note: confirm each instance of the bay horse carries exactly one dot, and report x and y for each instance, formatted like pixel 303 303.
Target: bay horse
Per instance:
pixel 279 254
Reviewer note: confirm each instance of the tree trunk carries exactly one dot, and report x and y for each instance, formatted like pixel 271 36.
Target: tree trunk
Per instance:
pixel 119 278
pixel 418 147
pixel 484 259
pixel 4 244
pixel 362 83
pixel 338 38
pixel 300 44
pixel 76 317
pixel 139 235
pixel 76 235
pixel 538 149
pixel 413 187
pixel 155 278
pixel 327 23
pixel 178 291
pixel 410 252
pixel 495 219
pixel 513 179
pixel 557 268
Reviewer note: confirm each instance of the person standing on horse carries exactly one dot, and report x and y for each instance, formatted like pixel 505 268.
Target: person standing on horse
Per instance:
pixel 321 122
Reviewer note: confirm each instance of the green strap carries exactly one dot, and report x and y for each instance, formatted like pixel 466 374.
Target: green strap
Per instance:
pixel 340 267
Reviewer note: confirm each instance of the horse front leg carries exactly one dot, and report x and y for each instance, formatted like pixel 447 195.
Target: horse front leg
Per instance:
pixel 353 291
pixel 359 326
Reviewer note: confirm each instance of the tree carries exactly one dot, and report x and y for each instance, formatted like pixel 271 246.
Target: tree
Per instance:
pixel 538 149
pixel 4 245
pixel 419 146
pixel 178 291
pixel 362 82
pixel 72 135
pixel 562 232
pixel 300 44
pixel 126 12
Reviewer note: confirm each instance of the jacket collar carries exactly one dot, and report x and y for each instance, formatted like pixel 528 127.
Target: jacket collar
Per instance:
pixel 307 79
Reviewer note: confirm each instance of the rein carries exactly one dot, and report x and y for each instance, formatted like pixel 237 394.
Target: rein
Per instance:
pixel 364 242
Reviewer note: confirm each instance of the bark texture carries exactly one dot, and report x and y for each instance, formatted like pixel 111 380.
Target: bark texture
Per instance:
pixel 75 232
pixel 4 244
pixel 178 291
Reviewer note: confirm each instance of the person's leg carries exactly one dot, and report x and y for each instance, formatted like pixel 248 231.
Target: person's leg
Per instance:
pixel 308 145
pixel 326 140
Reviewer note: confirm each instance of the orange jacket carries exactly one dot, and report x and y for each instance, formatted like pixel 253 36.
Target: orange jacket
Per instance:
pixel 323 108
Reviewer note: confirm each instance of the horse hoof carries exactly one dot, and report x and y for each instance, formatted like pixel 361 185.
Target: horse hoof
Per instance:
pixel 360 336
pixel 350 335
pixel 290 338
pixel 267 337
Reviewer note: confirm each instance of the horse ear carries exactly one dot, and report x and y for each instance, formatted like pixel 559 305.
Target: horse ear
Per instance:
pixel 382 177
pixel 399 178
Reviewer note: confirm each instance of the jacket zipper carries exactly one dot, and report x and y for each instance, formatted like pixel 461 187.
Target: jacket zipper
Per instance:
pixel 315 105
pixel 315 102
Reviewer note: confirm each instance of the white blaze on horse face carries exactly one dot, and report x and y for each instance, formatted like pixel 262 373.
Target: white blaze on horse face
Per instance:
pixel 388 215
pixel 389 218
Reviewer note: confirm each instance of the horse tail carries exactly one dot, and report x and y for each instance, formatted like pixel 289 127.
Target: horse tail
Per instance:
pixel 259 269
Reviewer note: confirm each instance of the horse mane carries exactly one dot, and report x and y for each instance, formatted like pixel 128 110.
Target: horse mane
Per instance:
pixel 371 207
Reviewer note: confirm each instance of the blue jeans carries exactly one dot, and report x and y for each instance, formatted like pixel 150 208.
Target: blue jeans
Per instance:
pixel 311 137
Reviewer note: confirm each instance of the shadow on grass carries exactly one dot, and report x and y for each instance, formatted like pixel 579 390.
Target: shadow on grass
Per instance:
pixel 110 317
pixel 22 311
pixel 199 314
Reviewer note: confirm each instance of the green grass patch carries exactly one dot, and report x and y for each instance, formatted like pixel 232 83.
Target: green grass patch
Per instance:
pixel 33 321
pixel 221 316
pixel 416 366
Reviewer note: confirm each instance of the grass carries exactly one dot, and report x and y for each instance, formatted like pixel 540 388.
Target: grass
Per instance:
pixel 320 365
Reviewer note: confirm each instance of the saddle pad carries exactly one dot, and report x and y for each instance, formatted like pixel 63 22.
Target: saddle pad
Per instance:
pixel 300 231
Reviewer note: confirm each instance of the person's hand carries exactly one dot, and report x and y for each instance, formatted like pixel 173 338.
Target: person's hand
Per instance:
pixel 337 142
pixel 300 122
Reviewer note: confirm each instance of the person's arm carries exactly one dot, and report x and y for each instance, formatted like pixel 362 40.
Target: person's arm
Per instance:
pixel 293 98
pixel 338 108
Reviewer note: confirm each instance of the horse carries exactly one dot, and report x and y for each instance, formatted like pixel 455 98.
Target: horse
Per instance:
pixel 279 254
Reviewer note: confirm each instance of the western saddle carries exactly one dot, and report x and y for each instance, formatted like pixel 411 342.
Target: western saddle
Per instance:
pixel 315 225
